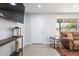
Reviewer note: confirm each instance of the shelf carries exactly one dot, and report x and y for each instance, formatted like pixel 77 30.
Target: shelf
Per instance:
pixel 8 40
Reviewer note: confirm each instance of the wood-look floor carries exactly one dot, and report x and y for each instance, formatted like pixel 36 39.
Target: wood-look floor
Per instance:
pixel 39 50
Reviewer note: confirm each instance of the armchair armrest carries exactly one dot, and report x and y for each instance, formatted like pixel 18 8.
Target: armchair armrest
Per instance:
pixel 67 43
pixel 71 44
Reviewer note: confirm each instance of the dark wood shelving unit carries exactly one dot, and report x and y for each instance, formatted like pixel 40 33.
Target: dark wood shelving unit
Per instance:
pixel 20 53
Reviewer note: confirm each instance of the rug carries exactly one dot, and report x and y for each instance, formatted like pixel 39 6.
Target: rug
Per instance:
pixel 65 52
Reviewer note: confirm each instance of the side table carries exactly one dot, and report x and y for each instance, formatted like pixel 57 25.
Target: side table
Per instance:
pixel 54 41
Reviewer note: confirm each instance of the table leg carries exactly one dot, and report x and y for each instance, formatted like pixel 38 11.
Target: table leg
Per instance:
pixel 54 42
pixel 22 47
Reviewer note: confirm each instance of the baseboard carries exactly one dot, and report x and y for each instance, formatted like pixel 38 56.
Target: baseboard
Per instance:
pixel 46 43
pixel 28 42
pixel 42 43
pixel 37 43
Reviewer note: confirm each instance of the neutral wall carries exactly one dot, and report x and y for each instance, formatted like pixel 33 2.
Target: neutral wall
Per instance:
pixel 48 25
pixel 6 28
pixel 6 31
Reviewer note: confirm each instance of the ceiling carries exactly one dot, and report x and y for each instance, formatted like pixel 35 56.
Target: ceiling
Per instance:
pixel 52 8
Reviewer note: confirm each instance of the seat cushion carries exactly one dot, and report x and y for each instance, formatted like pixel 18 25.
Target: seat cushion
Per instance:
pixel 76 37
pixel 75 33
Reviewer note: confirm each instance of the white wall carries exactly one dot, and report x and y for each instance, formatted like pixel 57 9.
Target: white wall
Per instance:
pixel 6 28
pixel 6 31
pixel 47 27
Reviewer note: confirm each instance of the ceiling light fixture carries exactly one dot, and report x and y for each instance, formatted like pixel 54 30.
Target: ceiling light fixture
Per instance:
pixel 13 4
pixel 39 6
pixel 1 14
pixel 75 5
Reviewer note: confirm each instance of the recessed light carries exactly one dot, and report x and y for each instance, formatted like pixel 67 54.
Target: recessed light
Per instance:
pixel 39 6
pixel 13 4
pixel 75 5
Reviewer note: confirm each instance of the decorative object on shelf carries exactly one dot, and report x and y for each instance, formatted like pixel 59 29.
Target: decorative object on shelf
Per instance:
pixel 17 46
pixel 16 31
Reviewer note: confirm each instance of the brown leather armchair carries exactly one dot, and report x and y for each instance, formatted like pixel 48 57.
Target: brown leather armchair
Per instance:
pixel 70 40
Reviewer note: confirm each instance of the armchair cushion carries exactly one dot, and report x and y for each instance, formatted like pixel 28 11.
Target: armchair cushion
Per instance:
pixel 75 33
pixel 76 38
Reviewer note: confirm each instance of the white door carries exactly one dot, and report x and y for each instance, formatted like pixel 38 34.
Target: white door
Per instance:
pixel 37 32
